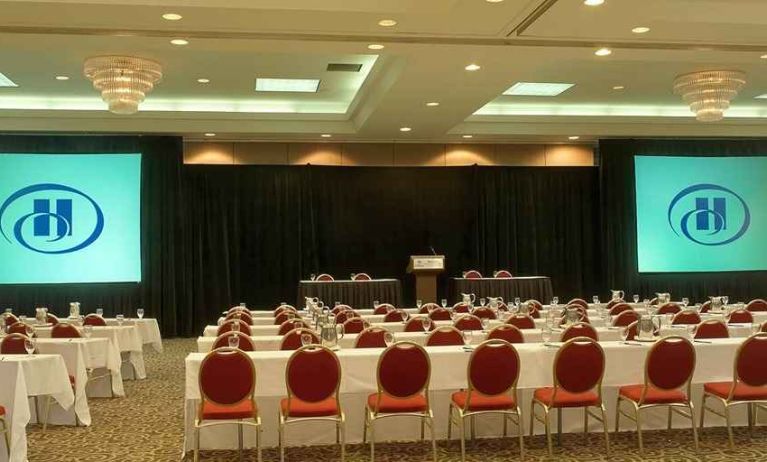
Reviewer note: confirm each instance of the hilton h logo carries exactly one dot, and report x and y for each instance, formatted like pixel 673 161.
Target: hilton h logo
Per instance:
pixel 34 204
pixel 721 215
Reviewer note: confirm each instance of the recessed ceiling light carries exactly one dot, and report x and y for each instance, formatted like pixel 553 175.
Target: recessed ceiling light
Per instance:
pixel 619 87
pixel 203 80
pixel 763 56
pixel 764 96
pixel 6 82
pixel 405 129
pixel 376 46
pixel 493 1
pixel 473 67
pixel 288 85
pixel 593 2
pixel 640 30
pixel 387 23
pixel 537 89
pixel 172 16
pixel 573 138
pixel 62 77
pixel 432 104
pixel 469 136
pixel 603 52
pixel 326 135
pixel 210 135
pixel 179 42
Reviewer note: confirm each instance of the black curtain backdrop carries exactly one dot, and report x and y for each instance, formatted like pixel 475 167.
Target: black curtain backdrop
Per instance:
pixel 619 222
pixel 161 291
pixel 254 231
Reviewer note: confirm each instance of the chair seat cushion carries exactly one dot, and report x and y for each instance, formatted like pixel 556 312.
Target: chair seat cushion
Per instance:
pixel 743 392
pixel 480 402
pixel 72 380
pixel 565 398
pixel 299 408
pixel 242 410
pixel 391 405
pixel 653 396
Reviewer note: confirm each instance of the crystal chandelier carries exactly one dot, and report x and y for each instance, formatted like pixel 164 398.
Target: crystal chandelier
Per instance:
pixel 708 93
pixel 123 81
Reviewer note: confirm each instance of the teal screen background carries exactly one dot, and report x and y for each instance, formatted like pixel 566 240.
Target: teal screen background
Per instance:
pixel 661 244
pixel 113 181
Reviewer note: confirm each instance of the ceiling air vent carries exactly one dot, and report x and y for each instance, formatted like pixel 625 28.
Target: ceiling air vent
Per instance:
pixel 344 67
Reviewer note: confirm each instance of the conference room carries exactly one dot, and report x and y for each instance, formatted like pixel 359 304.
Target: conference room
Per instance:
pixel 383 230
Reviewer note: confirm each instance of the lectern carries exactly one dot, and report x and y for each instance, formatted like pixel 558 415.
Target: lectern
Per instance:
pixel 425 268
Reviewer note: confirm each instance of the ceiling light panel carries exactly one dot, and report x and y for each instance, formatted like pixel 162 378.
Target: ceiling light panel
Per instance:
pixel 538 89
pixel 6 82
pixel 288 85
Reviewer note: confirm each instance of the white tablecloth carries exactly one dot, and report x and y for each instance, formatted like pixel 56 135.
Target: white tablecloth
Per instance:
pixel 148 330
pixel 22 376
pixel 624 366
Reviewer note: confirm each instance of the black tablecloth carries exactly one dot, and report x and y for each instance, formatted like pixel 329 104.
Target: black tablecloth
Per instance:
pixel 357 294
pixel 535 287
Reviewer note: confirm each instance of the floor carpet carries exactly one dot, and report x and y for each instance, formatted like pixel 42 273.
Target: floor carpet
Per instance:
pixel 147 425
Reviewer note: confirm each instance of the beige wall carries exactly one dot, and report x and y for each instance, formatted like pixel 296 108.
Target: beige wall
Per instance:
pixel 387 154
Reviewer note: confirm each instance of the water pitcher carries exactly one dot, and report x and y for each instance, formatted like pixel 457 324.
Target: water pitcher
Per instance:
pixel 331 333
pixel 617 294
pixel 647 327
pixel 663 298
pixel 468 298
pixel 74 310
pixel 41 315
pixel 717 304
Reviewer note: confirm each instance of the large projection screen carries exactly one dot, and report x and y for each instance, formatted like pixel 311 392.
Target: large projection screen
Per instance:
pixel 70 218
pixel 701 214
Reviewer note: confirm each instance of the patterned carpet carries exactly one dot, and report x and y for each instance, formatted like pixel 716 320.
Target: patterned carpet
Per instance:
pixel 147 425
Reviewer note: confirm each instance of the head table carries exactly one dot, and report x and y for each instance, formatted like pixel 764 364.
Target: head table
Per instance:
pixel 624 366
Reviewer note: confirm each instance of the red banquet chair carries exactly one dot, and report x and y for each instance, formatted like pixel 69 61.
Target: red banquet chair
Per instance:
pixel 749 384
pixel 227 381
pixel 580 329
pixel 492 376
pixel 669 308
pixel 472 274
pixel 94 320
pixel 285 315
pixel 51 319
pixel 241 315
pixel 757 305
pixel 619 308
pixel 64 330
pixel 372 337
pixel 625 319
pixel 468 322
pixel 578 370
pixel 712 328
pixel 444 336
pixel 740 317
pixel 403 374
pixel 462 308
pixel 686 317
pixel 236 309
pixel 22 328
pixel 705 307
pixel 6 431
pixel 292 340
pixel 345 315
pixel 324 278
pixel 339 308
pixel 282 308
pixel 383 308
pixel 632 330
pixel 440 314
pixel 507 332
pixel 535 307
pixel 9 319
pixel 355 325
pixel 521 321
pixel 426 308
pixel 669 368
pixel 229 326
pixel 396 316
pixel 245 343
pixel 614 302
pixel 361 277
pixel 416 325
pixel 502 274
pixel 484 312
pixel 13 344
pixel 287 326
pixel 578 301
pixel 313 378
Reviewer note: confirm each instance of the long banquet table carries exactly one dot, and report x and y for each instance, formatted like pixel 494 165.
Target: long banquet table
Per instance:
pixel 624 366
pixel 525 287
pixel 357 294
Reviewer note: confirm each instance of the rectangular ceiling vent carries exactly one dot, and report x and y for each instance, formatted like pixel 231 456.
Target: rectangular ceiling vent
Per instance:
pixel 344 67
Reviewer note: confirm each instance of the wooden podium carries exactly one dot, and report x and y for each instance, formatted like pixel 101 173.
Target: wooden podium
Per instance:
pixel 425 268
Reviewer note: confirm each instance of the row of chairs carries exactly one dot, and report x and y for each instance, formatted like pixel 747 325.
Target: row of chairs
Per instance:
pixel 324 277
pixel 474 274
pixel 91 319
pixel 64 329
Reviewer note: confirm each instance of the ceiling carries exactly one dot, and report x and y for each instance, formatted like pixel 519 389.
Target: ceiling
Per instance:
pixel 423 61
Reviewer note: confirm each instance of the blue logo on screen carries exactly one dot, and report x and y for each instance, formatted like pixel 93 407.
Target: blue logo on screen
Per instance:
pixel 37 207
pixel 709 214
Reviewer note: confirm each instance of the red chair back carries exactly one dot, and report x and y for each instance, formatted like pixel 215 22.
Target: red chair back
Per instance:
pixel 292 340
pixel 287 326
pixel 522 321
pixel 416 325
pixel 10 319
pixel 94 320
pixel 355 325
pixel 705 307
pixel 13 344
pixel 502 274
pixel 339 308
pixel 484 312
pixel 241 315
pixel 246 343
pixel 580 329
pixel 345 315
pixel 741 317
pixel 712 328
pixel 362 277
pixel 283 308
pixel 686 317
pixel 372 337
pixel 750 361
pixel 236 309
pixel 468 322
pixel 578 301
pixel 493 368
pixel 632 330
pixel 670 363
pixel 579 365
pixel 313 374
pixel 285 315
pixel 65 330
pixel 396 316
pixel 472 274
pixel 440 314
pixel 427 307
pixel 461 308
pixel 669 308
pixel 614 302
pixel 625 319
pixel 506 332
pixel 51 319
pixel 757 305
pixel 445 335
pixel 404 370
pixel 619 308
pixel 227 377
pixel 20 328
pixel 654 301
pixel 324 278
pixel 383 308
pixel 532 303
pixel 227 327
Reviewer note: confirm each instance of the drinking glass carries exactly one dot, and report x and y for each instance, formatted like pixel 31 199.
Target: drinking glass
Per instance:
pixel 426 323
pixel 234 341
pixel 725 299
pixel 23 318
pixel 419 304
pixel 291 315
pixel 485 323
pixel 625 334
pixel 120 319
pixel 636 298
pixel 755 328
pixel 140 313
pixel 375 304
pixel 236 326
pixel 243 304
pixel 403 315
pixel 467 336
pixel 691 330
pixel 306 339
pixel 741 305
pixel 283 303
pixel 443 302
pixel 312 277
pixel 595 299
pixel 388 338
pixel 685 301
pixel 482 301
pixel 8 310
pixel 29 344
pixel 555 301
pixel 88 330
pixel 517 301
pixel 100 311
pixel 29 330
pixel 336 304
pixel 546 335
